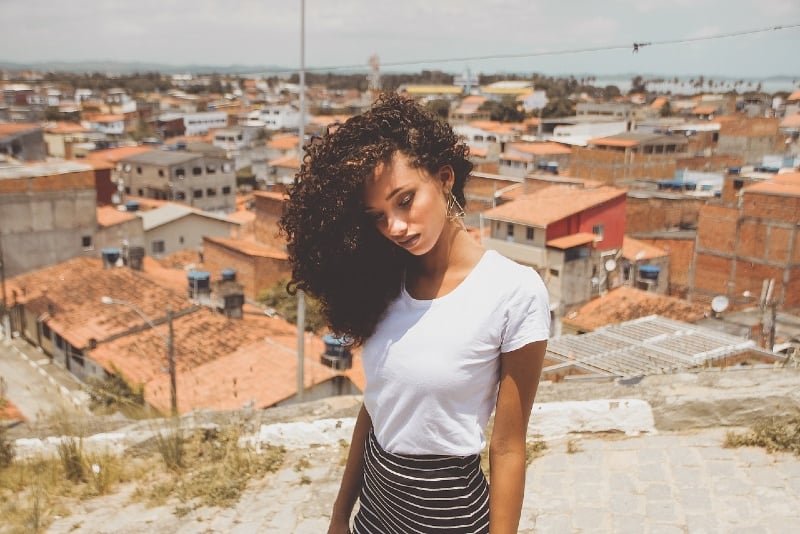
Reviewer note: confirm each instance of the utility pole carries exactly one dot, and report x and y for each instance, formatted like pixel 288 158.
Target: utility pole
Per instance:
pixel 173 390
pixel 4 307
pixel 301 300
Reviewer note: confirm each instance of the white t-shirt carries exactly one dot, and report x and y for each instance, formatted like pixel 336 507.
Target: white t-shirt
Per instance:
pixel 432 366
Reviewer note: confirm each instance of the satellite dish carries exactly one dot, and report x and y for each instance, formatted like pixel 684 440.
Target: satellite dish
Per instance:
pixel 639 255
pixel 719 303
pixel 610 264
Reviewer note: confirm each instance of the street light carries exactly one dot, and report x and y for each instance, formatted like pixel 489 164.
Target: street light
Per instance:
pixel 168 342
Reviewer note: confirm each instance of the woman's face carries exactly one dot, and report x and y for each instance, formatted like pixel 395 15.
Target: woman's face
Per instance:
pixel 408 205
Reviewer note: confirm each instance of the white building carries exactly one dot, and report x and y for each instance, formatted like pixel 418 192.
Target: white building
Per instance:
pixel 201 123
pixel 280 117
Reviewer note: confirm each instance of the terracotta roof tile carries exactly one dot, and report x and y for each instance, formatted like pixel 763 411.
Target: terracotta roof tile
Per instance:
pixel 626 303
pixel 67 296
pixel 65 128
pixel 290 162
pixel 16 127
pixel 635 250
pixel 794 96
pixel 605 141
pixel 552 204
pixel 251 248
pixel 704 110
pixel 109 216
pixel 791 121
pixel 284 142
pixel 574 240
pixel 114 155
pixel 540 149
pixel 781 184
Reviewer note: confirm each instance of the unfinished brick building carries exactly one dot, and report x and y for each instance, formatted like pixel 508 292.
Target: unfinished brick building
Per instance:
pixel 629 156
pixel 740 245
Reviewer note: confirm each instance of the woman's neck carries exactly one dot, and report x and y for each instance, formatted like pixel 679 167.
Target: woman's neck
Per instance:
pixel 446 264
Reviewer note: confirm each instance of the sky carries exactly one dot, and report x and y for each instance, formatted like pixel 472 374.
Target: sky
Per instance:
pixel 348 32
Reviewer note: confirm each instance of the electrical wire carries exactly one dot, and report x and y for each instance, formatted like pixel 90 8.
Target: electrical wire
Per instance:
pixel 635 47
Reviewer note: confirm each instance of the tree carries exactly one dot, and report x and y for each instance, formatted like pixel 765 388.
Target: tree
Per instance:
pixel 666 109
pixel 611 91
pixel 638 85
pixel 439 107
pixel 558 107
pixel 503 111
pixel 285 305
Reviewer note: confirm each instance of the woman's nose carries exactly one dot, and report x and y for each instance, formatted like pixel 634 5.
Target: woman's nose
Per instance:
pixel 397 226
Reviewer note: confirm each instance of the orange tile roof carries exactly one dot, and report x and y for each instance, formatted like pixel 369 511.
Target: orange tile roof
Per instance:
pixel 540 149
pixel 106 118
pixel 290 162
pixel 513 157
pixel 794 96
pixel 499 127
pixel 16 127
pixel 251 248
pixel 635 250
pixel 791 121
pixel 704 110
pixel 109 216
pixel 477 152
pixel 67 297
pixel 552 204
pixel 574 240
pixel 780 184
pixel 604 141
pixel 61 127
pixel 659 102
pixel 626 303
pixel 271 195
pixel 284 142
pixel 260 373
pixel 113 155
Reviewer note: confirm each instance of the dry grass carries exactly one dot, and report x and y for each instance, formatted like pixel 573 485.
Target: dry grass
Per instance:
pixel 205 467
pixel 773 435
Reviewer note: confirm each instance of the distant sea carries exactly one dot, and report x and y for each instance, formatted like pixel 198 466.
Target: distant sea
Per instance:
pixel 720 85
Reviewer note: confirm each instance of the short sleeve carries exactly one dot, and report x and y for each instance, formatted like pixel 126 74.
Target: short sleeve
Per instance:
pixel 527 315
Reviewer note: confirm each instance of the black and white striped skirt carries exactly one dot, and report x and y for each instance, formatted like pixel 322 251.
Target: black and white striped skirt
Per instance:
pixel 421 493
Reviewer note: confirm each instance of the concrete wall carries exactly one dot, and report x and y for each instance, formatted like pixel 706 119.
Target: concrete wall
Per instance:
pixel 45 219
pixel 268 208
pixel 113 236
pixel 186 233
pixel 27 145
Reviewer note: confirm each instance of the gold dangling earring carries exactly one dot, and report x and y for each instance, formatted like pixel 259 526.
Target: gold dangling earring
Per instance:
pixel 455 212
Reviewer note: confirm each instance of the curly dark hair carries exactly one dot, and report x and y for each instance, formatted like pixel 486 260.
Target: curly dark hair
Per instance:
pixel 336 252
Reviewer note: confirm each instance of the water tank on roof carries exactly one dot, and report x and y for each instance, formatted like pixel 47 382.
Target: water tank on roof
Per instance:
pixel 199 283
pixel 337 353
pixel 734 170
pixel 110 257
pixel 649 272
pixel 132 205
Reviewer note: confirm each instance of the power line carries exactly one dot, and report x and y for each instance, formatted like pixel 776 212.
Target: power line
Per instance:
pixel 634 47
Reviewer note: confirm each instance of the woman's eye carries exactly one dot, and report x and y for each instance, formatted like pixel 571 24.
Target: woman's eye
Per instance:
pixel 406 200
pixel 375 216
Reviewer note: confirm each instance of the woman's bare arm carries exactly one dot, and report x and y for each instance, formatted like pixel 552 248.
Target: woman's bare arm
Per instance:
pixel 519 378
pixel 350 486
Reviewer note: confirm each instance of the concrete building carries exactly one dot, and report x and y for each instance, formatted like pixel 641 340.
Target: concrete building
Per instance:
pixel 47 215
pixel 748 138
pixel 629 156
pixel 257 266
pixel 522 158
pixel 174 227
pixel 741 246
pixel 23 141
pixel 204 182
pixel 567 234
pixel 644 266
pixel 117 229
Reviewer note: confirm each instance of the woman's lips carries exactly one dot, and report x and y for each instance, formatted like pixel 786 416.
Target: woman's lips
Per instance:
pixel 409 242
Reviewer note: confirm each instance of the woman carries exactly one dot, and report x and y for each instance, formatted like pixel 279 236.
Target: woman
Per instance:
pixel 449 331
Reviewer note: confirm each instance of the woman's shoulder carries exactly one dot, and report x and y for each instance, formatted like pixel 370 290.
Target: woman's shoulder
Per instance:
pixel 503 269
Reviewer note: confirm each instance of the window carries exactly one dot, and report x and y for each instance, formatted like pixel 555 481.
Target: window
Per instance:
pixel 59 342
pixel 138 170
pixel 180 195
pixel 599 229
pixel 161 172
pixel 211 192
pixel 158 247
pixel 180 172
pixel 738 184
pixel 180 240
pixel 510 232
pixel 197 193
pixel 197 171
pixel 140 192
pixel 127 190
pixel 554 273
pixel 86 242
pixel 529 234
pixel 46 332
pixel 211 169
pixel 226 190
